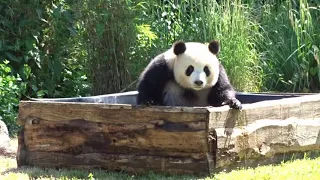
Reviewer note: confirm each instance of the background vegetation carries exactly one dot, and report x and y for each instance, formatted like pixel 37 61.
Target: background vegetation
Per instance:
pixel 65 48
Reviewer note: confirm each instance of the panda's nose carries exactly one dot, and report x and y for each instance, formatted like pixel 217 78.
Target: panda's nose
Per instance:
pixel 198 82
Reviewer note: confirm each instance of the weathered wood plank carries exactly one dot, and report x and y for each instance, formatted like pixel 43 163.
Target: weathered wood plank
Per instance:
pixel 300 107
pixel 263 140
pixel 166 139
pixel 61 111
pixel 119 162
pixel 263 131
pixel 21 151
pixel 79 136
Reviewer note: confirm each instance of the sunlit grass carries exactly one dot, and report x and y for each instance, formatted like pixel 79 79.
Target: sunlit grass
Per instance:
pixel 298 169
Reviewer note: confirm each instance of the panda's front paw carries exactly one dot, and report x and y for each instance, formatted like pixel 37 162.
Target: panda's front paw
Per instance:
pixel 235 104
pixel 148 103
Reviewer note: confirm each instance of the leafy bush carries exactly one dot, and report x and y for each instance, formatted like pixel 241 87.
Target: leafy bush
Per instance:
pixel 44 36
pixel 10 90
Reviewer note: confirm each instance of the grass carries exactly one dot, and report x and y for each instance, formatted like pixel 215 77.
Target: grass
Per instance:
pixel 298 169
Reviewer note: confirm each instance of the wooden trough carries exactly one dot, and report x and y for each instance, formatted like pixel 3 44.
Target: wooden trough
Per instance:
pixel 112 133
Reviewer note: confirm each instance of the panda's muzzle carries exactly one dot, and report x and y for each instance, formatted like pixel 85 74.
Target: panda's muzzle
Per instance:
pixel 198 82
pixel 198 79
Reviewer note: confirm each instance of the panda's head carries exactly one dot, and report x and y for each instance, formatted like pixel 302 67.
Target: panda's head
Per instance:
pixel 196 65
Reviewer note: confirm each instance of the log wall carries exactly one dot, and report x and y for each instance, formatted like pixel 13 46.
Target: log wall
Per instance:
pixel 176 140
pixel 266 132
pixel 114 137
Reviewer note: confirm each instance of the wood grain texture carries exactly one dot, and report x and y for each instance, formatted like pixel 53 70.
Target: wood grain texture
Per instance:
pixel 266 142
pixel 266 131
pixel 21 151
pixel 119 162
pixel 177 140
pixel 299 107
pixel 64 111
pixel 114 137
pixel 80 136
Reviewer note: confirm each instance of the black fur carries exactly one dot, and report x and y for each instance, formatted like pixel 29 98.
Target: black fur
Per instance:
pixel 214 47
pixel 222 93
pixel 189 94
pixel 179 48
pixel 152 81
pixel 155 76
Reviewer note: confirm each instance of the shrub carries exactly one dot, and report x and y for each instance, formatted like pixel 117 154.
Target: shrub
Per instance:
pixel 10 90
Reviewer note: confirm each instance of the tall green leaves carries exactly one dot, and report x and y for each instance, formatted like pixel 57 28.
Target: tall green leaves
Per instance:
pixel 232 23
pixel 266 45
pixel 291 57
pixel 109 33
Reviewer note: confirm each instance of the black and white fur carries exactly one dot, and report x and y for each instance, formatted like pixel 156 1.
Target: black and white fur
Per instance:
pixel 170 80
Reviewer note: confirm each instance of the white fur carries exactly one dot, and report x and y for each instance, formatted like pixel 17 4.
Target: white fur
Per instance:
pixel 196 76
pixel 170 57
pixel 199 56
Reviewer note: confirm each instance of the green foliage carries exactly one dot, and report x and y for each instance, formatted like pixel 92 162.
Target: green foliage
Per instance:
pixel 69 46
pixel 44 51
pixel 61 71
pixel 10 90
pixel 290 45
pixel 232 23
pixel 42 35
pixel 229 22
pixel 266 45
pixel 78 48
pixel 109 33
pixel 144 50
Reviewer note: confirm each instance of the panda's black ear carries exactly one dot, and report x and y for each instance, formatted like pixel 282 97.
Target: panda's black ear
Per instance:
pixel 179 47
pixel 214 47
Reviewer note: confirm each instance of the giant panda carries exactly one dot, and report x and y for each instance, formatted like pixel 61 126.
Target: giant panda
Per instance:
pixel 187 74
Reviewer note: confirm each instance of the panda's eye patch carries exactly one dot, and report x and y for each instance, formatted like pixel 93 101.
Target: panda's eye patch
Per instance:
pixel 206 70
pixel 189 70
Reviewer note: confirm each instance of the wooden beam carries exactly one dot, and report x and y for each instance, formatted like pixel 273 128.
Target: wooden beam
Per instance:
pixel 119 162
pixel 177 140
pixel 123 114
pixel 79 136
pixel 265 132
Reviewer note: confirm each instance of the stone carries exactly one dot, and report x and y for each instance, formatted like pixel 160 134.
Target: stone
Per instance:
pixel 4 139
